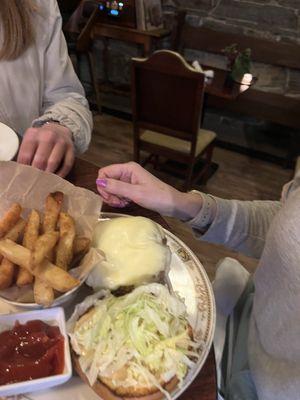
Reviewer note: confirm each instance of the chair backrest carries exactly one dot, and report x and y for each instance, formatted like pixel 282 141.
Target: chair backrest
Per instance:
pixel 186 36
pixel 167 95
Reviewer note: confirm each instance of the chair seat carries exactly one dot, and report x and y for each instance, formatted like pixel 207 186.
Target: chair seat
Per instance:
pixel 204 138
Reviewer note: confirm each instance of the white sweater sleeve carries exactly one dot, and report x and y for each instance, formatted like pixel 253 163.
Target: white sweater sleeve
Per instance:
pixel 274 345
pixel 63 95
pixel 240 225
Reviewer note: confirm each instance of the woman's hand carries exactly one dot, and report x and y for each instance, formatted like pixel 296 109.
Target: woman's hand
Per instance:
pixel 119 184
pixel 49 148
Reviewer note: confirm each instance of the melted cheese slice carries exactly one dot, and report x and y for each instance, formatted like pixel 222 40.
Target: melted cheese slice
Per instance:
pixel 134 250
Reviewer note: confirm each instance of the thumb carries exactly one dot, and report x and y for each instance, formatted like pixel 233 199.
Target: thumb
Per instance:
pixel 117 187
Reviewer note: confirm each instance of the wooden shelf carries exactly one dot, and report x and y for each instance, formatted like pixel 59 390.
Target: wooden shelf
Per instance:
pixel 144 38
pixel 103 29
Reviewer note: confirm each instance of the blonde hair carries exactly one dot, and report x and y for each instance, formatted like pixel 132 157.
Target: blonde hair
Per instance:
pixel 17 27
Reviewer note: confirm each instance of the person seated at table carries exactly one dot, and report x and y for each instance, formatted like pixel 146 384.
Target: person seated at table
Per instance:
pixel 41 98
pixel 261 356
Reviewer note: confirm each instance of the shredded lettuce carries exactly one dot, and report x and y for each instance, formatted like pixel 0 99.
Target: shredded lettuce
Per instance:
pixel 145 333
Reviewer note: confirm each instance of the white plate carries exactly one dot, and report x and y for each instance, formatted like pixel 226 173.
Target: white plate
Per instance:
pixel 190 281
pixel 53 316
pixel 9 143
pixel 188 278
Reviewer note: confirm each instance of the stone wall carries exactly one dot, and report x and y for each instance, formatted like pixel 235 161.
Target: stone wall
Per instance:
pixel 277 20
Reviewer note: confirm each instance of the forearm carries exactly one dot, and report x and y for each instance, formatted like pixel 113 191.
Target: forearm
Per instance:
pixel 186 205
pixel 240 225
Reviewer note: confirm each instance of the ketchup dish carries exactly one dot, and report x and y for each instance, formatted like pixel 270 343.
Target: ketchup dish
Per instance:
pixel 34 351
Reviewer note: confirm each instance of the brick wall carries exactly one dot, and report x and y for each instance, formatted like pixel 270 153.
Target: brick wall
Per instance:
pixel 273 19
pixel 277 20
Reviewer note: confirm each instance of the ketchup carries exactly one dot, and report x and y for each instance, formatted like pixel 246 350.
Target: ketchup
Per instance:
pixel 30 351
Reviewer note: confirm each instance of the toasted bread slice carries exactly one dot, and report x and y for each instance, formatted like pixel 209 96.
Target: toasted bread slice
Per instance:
pixel 128 391
pixel 107 388
pixel 111 393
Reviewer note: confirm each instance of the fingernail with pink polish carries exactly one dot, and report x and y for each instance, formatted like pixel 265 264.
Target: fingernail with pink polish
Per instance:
pixel 101 182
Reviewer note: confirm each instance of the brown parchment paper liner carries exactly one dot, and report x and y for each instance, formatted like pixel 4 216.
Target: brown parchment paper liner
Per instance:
pixel 29 187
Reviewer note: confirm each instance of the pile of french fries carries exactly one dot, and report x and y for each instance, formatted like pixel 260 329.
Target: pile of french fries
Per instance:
pixel 40 250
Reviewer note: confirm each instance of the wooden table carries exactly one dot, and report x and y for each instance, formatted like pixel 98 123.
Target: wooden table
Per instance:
pixel 144 38
pixel 222 86
pixel 204 386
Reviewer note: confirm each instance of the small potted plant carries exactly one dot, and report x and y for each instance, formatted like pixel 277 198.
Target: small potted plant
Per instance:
pixel 238 62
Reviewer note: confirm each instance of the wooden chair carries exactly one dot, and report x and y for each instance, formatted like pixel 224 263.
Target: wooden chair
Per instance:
pixel 167 102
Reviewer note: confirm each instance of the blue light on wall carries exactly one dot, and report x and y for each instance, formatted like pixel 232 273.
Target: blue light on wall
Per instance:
pixel 114 12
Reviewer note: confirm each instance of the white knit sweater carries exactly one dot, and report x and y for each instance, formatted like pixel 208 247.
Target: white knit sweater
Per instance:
pixel 41 84
pixel 271 231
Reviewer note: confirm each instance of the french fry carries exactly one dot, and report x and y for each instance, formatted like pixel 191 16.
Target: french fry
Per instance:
pixel 56 277
pixel 43 245
pixel 10 218
pixel 43 294
pixel 31 234
pixel 52 275
pixel 64 251
pixel 15 253
pixel 81 245
pixel 6 273
pixel 7 268
pixel 53 206
pixel 34 258
pixel 15 232
pixel 24 277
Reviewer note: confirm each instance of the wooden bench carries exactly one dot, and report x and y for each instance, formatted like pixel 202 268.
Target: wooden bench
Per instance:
pixel 273 107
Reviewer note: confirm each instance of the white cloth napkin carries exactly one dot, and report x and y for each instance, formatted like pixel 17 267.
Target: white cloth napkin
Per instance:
pixel 209 73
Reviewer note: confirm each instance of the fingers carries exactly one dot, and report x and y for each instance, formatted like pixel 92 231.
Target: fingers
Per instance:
pixel 42 155
pixel 115 202
pixel 27 150
pixel 121 172
pixel 48 148
pixel 112 171
pixel 118 188
pixel 55 158
pixel 68 162
pixel 112 200
pixel 119 184
pixel 122 182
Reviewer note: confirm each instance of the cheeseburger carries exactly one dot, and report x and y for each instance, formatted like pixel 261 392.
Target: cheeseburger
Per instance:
pixel 135 253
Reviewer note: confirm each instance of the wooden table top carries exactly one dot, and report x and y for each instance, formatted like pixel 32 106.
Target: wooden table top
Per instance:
pixel 204 386
pixel 102 29
pixel 222 86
